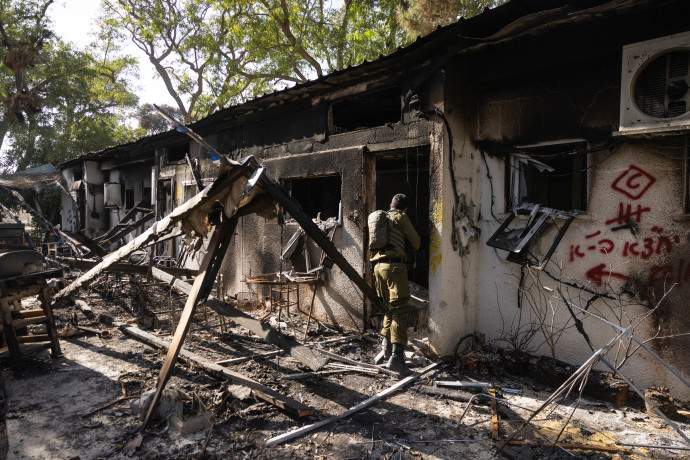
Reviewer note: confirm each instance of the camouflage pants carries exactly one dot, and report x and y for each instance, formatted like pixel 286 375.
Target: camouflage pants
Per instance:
pixel 393 286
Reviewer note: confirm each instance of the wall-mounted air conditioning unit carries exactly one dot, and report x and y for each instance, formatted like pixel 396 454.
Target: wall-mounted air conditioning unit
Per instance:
pixel 655 94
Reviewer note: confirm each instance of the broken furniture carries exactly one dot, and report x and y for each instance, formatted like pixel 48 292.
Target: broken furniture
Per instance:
pixel 16 342
pixel 520 241
pixel 283 292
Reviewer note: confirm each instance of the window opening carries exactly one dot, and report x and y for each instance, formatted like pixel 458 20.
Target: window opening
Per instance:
pixel 146 197
pixel 317 195
pixel 366 110
pixel 177 154
pixel 553 175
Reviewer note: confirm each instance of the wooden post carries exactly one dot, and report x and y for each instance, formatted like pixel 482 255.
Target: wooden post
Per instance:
pixel 200 290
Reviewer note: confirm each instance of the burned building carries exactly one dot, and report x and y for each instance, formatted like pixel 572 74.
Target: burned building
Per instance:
pixel 568 118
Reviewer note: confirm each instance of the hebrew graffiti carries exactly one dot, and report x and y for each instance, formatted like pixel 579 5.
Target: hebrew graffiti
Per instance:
pixel 624 241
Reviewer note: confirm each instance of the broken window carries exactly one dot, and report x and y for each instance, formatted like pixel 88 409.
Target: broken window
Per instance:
pixel 524 239
pixel 552 175
pixel 177 154
pixel 366 110
pixel 316 195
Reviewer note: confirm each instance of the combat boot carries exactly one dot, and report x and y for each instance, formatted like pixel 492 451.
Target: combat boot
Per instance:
pixel 396 363
pixel 385 353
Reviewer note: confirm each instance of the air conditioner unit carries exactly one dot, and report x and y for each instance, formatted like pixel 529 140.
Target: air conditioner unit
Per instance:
pixel 655 86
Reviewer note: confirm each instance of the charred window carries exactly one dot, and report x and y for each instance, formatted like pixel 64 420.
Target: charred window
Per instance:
pixel 366 110
pixel 177 154
pixel 318 196
pixel 553 175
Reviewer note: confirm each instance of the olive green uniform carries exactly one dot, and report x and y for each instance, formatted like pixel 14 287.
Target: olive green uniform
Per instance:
pixel 390 271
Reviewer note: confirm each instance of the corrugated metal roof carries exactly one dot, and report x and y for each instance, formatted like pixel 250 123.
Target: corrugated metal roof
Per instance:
pixel 490 28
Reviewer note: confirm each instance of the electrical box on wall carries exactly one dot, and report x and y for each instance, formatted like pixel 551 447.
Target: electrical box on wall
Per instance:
pixel 655 86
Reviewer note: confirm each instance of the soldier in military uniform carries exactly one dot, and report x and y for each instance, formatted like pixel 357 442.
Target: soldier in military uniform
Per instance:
pixel 392 285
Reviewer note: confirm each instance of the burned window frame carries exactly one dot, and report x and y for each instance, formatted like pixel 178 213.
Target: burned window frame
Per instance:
pixel 288 184
pixel 373 109
pixel 539 156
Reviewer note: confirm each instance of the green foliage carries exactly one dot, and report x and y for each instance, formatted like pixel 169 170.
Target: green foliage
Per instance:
pixel 421 17
pixel 79 98
pixel 215 53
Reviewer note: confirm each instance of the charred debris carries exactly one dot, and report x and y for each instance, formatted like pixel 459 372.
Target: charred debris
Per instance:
pixel 290 369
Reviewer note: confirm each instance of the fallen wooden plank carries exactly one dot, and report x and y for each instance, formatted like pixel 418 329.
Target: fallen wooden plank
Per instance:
pixel 280 400
pixel 314 361
pixel 126 230
pixel 138 208
pixel 244 359
pixel 89 243
pixel 271 354
pixel 367 402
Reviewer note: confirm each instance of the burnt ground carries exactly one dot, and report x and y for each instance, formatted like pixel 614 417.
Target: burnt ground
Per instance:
pixel 54 406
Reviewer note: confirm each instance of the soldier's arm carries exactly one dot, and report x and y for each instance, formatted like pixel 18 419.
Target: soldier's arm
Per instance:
pixel 410 233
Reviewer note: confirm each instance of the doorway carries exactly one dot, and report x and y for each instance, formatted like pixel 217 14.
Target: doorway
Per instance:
pixel 407 171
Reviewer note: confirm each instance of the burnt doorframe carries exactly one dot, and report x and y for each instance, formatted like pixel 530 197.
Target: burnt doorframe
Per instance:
pixel 411 159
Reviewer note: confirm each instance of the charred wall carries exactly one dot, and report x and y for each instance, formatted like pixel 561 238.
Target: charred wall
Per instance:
pixel 628 246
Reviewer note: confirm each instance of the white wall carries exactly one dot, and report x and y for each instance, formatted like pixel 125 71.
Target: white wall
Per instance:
pixel 645 180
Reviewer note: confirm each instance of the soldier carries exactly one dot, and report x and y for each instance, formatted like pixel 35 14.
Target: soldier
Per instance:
pixel 392 285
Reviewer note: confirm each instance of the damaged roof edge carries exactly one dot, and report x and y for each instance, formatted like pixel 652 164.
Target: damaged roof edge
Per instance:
pixel 513 19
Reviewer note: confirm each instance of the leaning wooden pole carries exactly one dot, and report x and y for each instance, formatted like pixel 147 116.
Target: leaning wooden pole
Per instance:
pixel 202 286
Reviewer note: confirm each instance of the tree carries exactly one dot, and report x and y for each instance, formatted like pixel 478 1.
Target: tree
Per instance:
pixel 82 110
pixel 220 52
pixel 421 17
pixel 152 121
pixel 59 102
pixel 23 33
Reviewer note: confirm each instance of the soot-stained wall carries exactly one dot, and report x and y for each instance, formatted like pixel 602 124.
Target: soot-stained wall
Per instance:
pixel 625 252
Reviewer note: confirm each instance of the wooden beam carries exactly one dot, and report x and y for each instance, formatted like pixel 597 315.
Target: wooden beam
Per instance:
pixel 89 243
pixel 368 402
pixel 315 361
pixel 360 364
pixel 126 217
pixel 200 289
pixel 286 403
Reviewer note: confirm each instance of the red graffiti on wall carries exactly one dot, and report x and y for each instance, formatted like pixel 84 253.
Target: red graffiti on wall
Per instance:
pixel 633 182
pixel 655 245
pixel 670 273
pixel 599 273
pixel 626 216
pixel 661 245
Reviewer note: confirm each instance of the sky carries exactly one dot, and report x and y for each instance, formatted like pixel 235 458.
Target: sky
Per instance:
pixel 76 21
